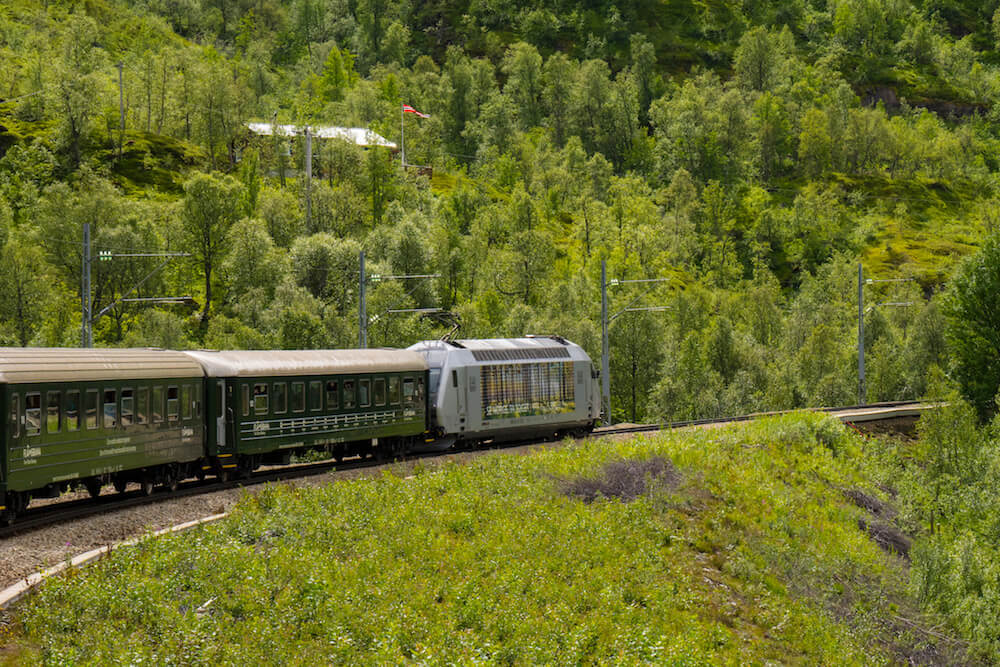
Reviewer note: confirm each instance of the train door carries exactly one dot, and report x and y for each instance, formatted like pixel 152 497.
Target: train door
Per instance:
pixel 221 415
pixel 458 387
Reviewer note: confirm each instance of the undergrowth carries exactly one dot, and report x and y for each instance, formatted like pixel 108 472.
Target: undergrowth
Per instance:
pixel 720 546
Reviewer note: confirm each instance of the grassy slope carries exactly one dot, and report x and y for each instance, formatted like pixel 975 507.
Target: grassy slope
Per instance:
pixel 751 553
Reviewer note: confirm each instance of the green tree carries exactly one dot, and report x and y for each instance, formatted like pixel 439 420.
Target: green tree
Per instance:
pixel 78 84
pixel 22 291
pixel 210 207
pixel 758 59
pixel 815 143
pixel 523 67
pixel 338 74
pixel 973 331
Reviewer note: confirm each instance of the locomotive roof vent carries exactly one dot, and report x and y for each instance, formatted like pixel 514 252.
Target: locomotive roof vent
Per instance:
pixel 520 353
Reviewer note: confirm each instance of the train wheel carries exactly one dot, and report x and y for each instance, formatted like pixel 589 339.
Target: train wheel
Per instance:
pixel 120 484
pixel 146 486
pixel 93 486
pixel 172 479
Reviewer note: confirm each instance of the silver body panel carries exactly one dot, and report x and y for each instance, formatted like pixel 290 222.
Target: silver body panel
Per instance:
pixel 509 388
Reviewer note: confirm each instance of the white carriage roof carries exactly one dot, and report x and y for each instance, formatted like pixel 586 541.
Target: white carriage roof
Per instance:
pixel 21 365
pixel 247 363
pixel 361 136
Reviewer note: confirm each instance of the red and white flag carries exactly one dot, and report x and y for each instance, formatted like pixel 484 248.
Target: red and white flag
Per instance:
pixel 408 109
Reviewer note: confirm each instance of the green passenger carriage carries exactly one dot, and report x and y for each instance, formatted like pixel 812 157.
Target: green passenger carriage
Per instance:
pixel 263 405
pixel 89 417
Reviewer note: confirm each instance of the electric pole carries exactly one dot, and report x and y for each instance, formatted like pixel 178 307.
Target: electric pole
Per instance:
pixel 861 335
pixel 309 158
pixel 362 311
pixel 86 339
pixel 606 321
pixel 605 353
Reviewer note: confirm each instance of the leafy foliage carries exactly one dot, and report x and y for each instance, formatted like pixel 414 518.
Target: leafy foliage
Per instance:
pixel 750 153
pixel 737 546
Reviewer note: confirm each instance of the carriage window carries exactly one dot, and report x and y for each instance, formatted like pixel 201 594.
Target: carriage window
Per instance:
pixel 364 393
pixel 280 397
pixel 260 399
pixel 186 402
pixel 72 410
pixel 33 414
pixel 454 378
pixel 380 391
pixel 420 389
pixel 298 396
pixel 110 408
pixel 197 400
pixel 91 408
pixel 332 399
pixel 53 399
pixel 394 391
pixel 408 389
pixel 315 396
pixel 142 405
pixel 128 407
pixel 349 393
pixel 157 409
pixel 173 407
pixel 15 415
pixel 245 392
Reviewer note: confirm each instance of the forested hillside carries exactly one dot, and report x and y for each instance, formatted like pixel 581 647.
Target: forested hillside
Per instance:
pixel 753 153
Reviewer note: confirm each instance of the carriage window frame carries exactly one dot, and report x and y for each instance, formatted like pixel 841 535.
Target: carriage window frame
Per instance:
pixel 15 416
pixel 109 413
pixel 127 406
pixel 297 396
pixel 142 406
pixel 53 408
pixel 350 397
pixel 91 404
pixel 261 398
pixel 394 397
pixel 280 403
pixel 245 399
pixel 409 390
pixel 72 418
pixel 378 392
pixel 173 404
pixel 332 395
pixel 156 402
pixel 187 402
pixel 28 410
pixel 315 396
pixel 364 393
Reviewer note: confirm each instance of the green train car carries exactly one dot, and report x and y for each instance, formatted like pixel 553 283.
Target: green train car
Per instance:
pixel 263 405
pixel 91 417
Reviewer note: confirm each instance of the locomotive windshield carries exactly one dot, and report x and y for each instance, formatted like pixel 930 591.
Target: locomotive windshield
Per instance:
pixel 435 377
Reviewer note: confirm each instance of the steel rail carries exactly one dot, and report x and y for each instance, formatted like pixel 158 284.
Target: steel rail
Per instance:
pixel 55 513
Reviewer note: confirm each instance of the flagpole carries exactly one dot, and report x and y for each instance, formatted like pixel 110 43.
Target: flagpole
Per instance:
pixel 402 136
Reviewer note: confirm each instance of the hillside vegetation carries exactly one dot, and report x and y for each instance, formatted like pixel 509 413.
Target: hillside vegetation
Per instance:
pixel 752 154
pixel 754 543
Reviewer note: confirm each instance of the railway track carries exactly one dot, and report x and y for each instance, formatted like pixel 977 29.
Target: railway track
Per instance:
pixel 48 515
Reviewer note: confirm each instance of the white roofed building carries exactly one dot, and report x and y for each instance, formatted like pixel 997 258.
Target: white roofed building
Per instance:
pixel 360 136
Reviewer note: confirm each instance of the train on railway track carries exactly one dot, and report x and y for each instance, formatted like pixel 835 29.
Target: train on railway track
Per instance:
pixel 95 417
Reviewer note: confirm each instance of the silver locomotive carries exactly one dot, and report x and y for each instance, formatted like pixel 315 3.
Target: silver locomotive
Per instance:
pixel 504 389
